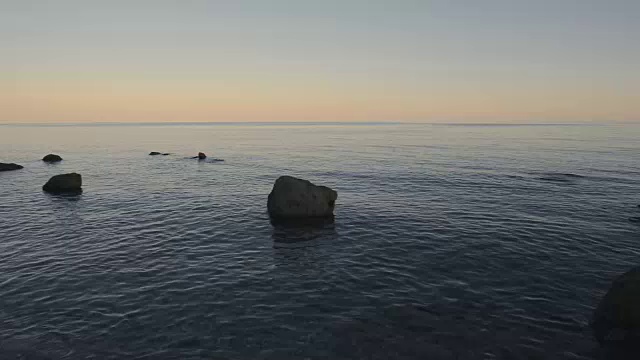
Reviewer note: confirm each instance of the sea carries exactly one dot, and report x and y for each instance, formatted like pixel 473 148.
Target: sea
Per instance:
pixel 450 241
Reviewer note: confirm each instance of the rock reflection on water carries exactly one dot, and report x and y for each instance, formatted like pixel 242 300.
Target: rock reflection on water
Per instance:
pixel 293 234
pixel 69 196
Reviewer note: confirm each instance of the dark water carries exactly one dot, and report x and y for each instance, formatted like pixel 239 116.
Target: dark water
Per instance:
pixel 450 242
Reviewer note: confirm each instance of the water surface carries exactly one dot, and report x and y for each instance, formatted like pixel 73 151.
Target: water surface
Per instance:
pixel 468 242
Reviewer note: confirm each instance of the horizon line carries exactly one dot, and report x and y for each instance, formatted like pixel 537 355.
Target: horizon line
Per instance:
pixel 206 123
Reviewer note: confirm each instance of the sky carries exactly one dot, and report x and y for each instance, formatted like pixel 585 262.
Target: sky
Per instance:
pixel 329 60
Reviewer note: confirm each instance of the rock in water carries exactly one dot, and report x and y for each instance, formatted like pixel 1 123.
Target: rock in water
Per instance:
pixel 616 320
pixel 9 167
pixel 201 156
pixel 51 158
pixel 65 183
pixel 292 198
pixel 154 153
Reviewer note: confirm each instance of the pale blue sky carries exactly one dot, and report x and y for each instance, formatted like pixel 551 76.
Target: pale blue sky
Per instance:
pixel 197 60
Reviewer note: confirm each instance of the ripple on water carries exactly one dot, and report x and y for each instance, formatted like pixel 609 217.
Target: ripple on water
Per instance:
pixel 436 252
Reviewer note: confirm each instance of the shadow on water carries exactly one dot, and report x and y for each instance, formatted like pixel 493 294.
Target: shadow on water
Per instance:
pixel 205 161
pixel 558 177
pixel 302 233
pixel 561 177
pixel 65 196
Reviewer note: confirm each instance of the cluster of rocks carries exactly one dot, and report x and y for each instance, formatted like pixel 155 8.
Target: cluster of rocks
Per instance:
pixel 50 158
pixel 616 320
pixel 63 183
pixel 200 156
pixel 291 200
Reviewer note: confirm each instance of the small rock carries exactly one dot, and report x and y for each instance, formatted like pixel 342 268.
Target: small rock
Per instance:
pixel 293 198
pixel 201 156
pixel 616 320
pixel 51 158
pixel 9 167
pixel 165 154
pixel 154 153
pixel 64 183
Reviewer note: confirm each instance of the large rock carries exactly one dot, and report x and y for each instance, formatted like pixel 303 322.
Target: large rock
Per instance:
pixel 201 156
pixel 9 167
pixel 51 158
pixel 65 183
pixel 292 198
pixel 616 320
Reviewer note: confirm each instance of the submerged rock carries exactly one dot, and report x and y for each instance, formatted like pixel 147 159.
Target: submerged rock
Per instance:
pixel 616 320
pixel 296 199
pixel 9 167
pixel 201 156
pixel 51 158
pixel 154 153
pixel 64 183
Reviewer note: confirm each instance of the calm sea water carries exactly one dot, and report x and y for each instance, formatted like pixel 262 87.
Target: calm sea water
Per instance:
pixel 450 242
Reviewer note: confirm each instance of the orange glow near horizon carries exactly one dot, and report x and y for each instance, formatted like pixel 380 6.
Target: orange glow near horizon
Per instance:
pixel 411 62
pixel 121 100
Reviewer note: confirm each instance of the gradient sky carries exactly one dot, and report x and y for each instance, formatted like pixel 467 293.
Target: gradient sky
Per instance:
pixel 321 60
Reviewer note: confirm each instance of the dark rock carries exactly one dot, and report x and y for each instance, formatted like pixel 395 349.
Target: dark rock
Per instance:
pixel 616 320
pixel 296 199
pixel 165 154
pixel 201 156
pixel 51 158
pixel 9 167
pixel 65 183
pixel 154 153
